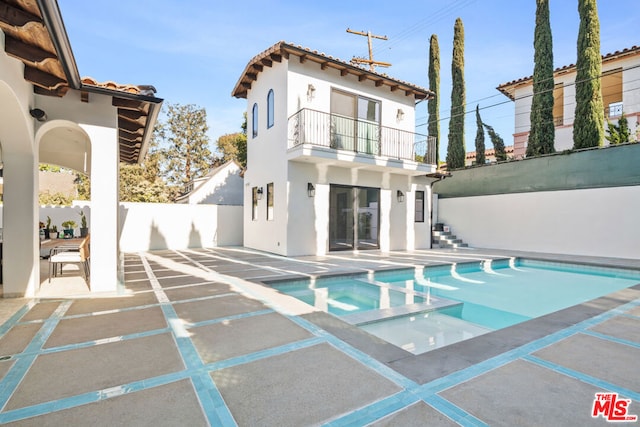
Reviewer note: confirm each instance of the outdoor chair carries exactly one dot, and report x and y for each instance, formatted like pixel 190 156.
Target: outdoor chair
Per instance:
pixel 70 254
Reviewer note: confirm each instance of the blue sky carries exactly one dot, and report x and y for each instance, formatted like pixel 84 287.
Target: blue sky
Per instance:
pixel 193 51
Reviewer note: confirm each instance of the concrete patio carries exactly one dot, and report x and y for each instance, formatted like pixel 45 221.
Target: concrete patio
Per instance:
pixel 196 339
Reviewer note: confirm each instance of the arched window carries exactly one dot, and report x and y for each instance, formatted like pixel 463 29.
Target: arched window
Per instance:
pixel 254 120
pixel 270 109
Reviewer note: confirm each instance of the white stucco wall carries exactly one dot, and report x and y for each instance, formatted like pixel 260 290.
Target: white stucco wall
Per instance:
pixel 224 188
pixel 267 162
pixel 152 226
pixel 594 222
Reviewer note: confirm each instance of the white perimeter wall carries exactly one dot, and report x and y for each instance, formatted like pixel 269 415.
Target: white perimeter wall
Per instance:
pixel 151 226
pixel 595 222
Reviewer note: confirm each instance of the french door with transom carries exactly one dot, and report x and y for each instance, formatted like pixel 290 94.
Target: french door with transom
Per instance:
pixel 354 218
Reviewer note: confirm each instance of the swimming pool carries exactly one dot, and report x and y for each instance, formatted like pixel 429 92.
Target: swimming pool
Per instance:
pixel 423 309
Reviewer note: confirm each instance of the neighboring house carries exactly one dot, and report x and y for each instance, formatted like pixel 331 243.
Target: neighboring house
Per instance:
pixel 331 156
pixel 620 85
pixel 489 154
pixel 223 185
pixel 49 114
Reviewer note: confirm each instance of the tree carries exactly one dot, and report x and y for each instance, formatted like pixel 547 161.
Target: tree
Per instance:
pixel 480 159
pixel 456 147
pixel 542 134
pixel 143 182
pixel 135 186
pixel 619 133
pixel 185 145
pixel 433 105
pixel 233 146
pixel 588 126
pixel 498 144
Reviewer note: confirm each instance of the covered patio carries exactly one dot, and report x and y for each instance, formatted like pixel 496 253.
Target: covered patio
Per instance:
pixel 49 114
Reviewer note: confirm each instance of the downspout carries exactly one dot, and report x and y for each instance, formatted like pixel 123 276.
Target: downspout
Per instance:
pixel 53 21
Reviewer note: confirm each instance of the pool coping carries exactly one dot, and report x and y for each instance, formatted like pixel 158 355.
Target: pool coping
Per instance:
pixel 434 364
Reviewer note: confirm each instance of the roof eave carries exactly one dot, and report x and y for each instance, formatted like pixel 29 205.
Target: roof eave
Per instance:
pixel 55 26
pixel 281 48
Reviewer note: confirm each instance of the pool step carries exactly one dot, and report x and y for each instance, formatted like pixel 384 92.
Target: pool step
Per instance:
pixel 441 237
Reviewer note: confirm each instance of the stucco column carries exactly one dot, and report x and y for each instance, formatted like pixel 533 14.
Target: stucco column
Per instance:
pixel 21 254
pixel 104 208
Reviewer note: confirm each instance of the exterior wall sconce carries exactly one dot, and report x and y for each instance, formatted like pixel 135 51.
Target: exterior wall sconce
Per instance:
pixel 400 115
pixel 311 190
pixel 311 92
pixel 259 193
pixel 38 114
pixel 400 196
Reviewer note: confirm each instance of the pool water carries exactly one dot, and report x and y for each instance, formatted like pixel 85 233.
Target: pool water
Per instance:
pixel 477 297
pixel 344 296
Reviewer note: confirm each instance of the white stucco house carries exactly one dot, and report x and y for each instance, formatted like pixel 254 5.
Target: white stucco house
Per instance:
pixel 620 85
pixel 331 156
pixel 49 114
pixel 223 185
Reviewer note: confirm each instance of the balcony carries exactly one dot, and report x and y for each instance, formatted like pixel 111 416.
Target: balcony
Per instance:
pixel 321 137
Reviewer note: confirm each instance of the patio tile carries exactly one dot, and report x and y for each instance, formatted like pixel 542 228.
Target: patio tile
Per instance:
pixel 600 358
pixel 622 327
pixel 143 408
pixel 41 311
pixel 417 415
pixel 179 281
pixel 91 328
pixel 524 394
pixel 73 372
pixel 215 308
pixel 138 285
pixel 92 305
pixel 18 337
pixel 225 340
pixel 302 387
pixel 167 273
pixel 197 291
pixel 134 275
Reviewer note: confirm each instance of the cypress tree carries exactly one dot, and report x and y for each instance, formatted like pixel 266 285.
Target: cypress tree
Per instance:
pixel 480 159
pixel 541 136
pixel 588 126
pixel 498 144
pixel 456 147
pixel 433 105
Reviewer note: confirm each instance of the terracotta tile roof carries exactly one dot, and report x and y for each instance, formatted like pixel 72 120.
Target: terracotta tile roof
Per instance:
pixel 34 34
pixel 284 50
pixel 489 152
pixel 508 89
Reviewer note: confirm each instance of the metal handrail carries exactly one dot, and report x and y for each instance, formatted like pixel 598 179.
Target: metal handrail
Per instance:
pixel 360 136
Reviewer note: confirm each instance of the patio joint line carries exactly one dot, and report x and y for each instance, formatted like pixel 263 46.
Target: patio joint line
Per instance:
pixel 612 338
pixel 324 336
pixel 15 319
pixel 585 378
pixel 211 401
pixel 17 372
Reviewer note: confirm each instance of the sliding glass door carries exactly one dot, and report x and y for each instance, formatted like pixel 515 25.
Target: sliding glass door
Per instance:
pixel 354 218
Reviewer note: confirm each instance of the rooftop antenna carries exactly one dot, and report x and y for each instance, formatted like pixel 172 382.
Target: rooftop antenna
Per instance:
pixel 370 61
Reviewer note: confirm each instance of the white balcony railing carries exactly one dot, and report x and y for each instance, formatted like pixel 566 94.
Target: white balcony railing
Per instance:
pixel 360 136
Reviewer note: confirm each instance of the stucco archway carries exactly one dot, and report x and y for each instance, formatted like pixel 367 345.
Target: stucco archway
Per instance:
pixel 20 255
pixel 66 144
